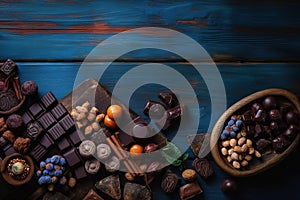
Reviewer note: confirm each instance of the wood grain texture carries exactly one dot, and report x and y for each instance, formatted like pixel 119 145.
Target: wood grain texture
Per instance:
pixel 229 30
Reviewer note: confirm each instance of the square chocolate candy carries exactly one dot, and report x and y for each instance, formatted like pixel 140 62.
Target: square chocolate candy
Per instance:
pixel 36 110
pixel 63 144
pixel 67 123
pixel 47 120
pixel 48 100
pixel 38 152
pixel 59 111
pixel 56 131
pixel 76 137
pixel 80 172
pixel 72 157
pixel 46 141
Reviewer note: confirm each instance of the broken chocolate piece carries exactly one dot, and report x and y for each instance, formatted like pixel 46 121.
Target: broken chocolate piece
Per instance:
pixel 280 143
pixel 110 186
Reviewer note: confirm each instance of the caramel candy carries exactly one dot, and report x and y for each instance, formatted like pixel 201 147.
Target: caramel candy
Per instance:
pixel 189 175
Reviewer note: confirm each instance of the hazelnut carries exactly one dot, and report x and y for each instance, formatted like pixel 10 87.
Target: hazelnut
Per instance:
pixel 238 136
pixel 143 167
pixel 100 117
pixel 225 143
pixel 257 154
pixel 72 182
pixel 84 122
pixel 81 109
pixel 244 148
pixel 86 104
pixel 229 159
pixel 230 151
pixel 88 130
pixel 241 141
pixel 244 163
pixel 236 164
pixel 243 133
pixel 248 157
pixel 74 114
pixel 232 142
pixel 80 116
pixel 237 149
pixel 94 110
pixel 95 126
pixel 224 151
pixel 249 143
pixel 251 150
pixel 91 117
pixel 234 156
pixel 79 125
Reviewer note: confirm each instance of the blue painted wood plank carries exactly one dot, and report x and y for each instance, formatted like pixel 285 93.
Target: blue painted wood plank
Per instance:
pixel 228 30
pixel 239 79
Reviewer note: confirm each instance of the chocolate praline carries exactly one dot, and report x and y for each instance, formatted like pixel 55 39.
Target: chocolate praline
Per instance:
pixel 291 117
pixel 29 88
pixel 14 122
pixel 269 103
pixel 229 186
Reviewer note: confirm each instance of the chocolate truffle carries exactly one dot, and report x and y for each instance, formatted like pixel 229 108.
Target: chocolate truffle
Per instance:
pixel 87 148
pixel 134 191
pixel 9 136
pixel 275 115
pixel 15 122
pixel 291 118
pixel 229 186
pixel 110 186
pixel 29 88
pixel 269 103
pixel 22 145
pixel 203 167
pixel 92 166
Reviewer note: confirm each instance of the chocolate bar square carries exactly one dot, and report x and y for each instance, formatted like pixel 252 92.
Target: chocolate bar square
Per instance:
pixel 47 120
pixel 48 100
pixel 80 173
pixel 67 123
pixel 63 144
pixel 3 142
pixel 26 118
pixel 36 110
pixel 76 137
pixel 8 150
pixel 38 152
pixel 46 141
pixel 56 131
pixel 72 157
pixel 59 111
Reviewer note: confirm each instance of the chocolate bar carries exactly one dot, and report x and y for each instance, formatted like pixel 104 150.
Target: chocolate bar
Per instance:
pixel 46 141
pixel 76 137
pixel 38 152
pixel 48 100
pixel 80 172
pixel 47 120
pixel 59 111
pixel 36 109
pixel 63 144
pixel 26 118
pixel 56 131
pixel 8 150
pixel 72 157
pixel 67 123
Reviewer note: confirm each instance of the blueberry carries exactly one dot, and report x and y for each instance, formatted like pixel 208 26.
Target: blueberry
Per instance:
pixel 235 128
pixel 58 173
pixel 42 164
pixel 230 122
pixel 41 180
pixel 39 173
pixel 55 159
pixel 233 118
pixel 225 132
pixel 238 123
pixel 49 166
pixel 48 160
pixel 45 172
pixel 62 161
pixel 48 179
pixel 223 137
pixel 51 173
pixel 233 134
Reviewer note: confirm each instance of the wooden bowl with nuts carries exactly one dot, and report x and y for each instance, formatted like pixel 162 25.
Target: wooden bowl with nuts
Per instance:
pixel 256 133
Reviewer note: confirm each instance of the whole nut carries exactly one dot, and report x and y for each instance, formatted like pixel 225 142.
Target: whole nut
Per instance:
pixel 91 117
pixel 229 159
pixel 239 135
pixel 241 141
pixel 81 109
pixel 94 110
pixel 257 154
pixel 251 150
pixel 244 163
pixel 88 130
pixel 79 125
pixel 95 126
pixel 86 104
pixel 248 157
pixel 74 114
pixel 72 182
pixel 244 148
pixel 143 167
pixel 230 151
pixel 232 142
pixel 224 151
pixel 237 149
pixel 225 143
pixel 243 133
pixel 249 143
pixel 80 116
pixel 240 157
pixel 129 176
pixel 84 122
pixel 100 117
pixel 234 156
pixel 236 164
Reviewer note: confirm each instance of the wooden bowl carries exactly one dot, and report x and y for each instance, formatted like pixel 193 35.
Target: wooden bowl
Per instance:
pixel 12 180
pixel 15 108
pixel 269 159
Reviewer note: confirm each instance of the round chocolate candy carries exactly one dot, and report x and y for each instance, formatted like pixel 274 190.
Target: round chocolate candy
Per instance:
pixel 14 122
pixel 29 88
pixel 275 115
pixel 291 117
pixel 229 186
pixel 269 103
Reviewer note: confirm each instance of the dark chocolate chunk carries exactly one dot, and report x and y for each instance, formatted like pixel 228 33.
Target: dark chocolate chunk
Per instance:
pixel 262 144
pixel 72 157
pixel 260 116
pixel 27 118
pixel 203 167
pixel 63 144
pixel 280 143
pixel 250 130
pixel 48 100
pixel 47 120
pixel 46 141
pixel 255 107
pixel 56 131
pixel 259 129
pixel 190 190
pixel 292 118
pixel 67 123
pixel 247 117
pixel 110 186
pixel 199 143
pixel 59 111
pixel 80 173
pixel 36 110
pixel 38 152
pixel 269 103
pixel 34 129
pixel 3 142
pixel 9 67
pixel 154 108
pixel 275 115
pixel 8 150
pixel 170 182
pixel 76 137
pixel 169 99
pixel 8 100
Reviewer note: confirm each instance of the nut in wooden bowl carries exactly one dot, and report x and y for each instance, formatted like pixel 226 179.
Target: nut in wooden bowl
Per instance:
pixel 257 132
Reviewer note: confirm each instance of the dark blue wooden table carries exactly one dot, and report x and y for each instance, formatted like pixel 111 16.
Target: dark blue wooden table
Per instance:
pixel 255 46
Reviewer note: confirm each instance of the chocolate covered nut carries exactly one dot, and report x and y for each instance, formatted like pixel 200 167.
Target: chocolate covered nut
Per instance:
pixel 190 190
pixel 170 182
pixel 22 145
pixel 262 144
pixel 92 166
pixel 29 88
pixel 203 167
pixel 229 186
pixel 169 99
pixel 9 136
pixel 103 151
pixel 292 118
pixel 275 115
pixel 189 175
pixel 154 109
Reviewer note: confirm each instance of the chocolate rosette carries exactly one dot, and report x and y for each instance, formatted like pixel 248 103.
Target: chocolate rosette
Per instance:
pixel 8 100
